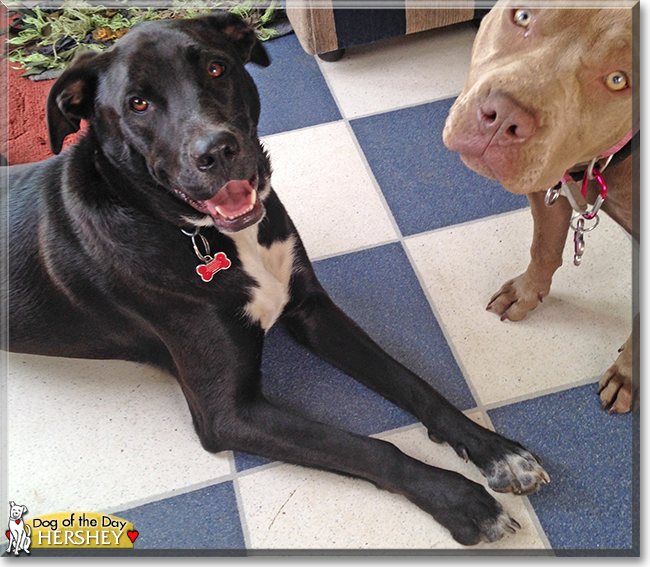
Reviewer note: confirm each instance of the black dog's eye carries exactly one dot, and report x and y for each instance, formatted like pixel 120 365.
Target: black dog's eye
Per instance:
pixel 138 105
pixel 216 69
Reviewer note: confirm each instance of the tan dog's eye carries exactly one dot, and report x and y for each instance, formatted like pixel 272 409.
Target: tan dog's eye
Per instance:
pixel 215 69
pixel 522 18
pixel 616 81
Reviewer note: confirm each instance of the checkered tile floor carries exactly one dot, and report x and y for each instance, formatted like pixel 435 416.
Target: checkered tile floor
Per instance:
pixel 412 245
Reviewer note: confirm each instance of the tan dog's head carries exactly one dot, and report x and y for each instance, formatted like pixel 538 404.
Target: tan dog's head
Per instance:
pixel 547 89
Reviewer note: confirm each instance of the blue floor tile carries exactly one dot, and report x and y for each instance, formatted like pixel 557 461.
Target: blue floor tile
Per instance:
pixel 203 519
pixel 380 291
pixel 296 378
pixel 292 89
pixel 589 504
pixel 426 185
pixel 299 381
pixel 245 461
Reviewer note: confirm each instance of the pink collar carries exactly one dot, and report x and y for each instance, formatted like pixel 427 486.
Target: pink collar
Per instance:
pixel 614 149
pixel 622 143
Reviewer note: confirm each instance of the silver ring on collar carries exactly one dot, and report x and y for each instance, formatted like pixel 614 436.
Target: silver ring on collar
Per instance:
pixel 205 258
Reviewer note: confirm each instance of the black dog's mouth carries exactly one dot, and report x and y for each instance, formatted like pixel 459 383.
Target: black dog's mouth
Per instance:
pixel 234 207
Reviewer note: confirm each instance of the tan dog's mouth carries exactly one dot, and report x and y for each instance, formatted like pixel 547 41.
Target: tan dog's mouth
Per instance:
pixel 478 164
pixel 501 167
pixel 234 207
pixel 487 161
pixel 519 167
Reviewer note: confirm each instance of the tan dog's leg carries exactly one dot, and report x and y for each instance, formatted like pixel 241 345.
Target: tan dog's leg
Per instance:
pixel 617 389
pixel 522 294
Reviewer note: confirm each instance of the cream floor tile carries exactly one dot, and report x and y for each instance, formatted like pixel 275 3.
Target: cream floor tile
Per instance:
pixel 325 186
pixel 400 72
pixel 573 336
pixel 293 507
pixel 91 435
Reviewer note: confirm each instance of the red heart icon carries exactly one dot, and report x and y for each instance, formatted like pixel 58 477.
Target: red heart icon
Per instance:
pixel 132 535
pixel 18 521
pixel 8 534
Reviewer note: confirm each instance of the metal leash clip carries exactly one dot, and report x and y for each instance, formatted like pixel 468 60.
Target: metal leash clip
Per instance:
pixel 577 197
pixel 578 236
pixel 589 214
pixel 594 173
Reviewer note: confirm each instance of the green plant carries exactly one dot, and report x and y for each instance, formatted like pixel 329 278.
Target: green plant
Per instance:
pixel 44 39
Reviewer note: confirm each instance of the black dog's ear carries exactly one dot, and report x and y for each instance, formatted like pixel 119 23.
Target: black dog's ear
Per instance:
pixel 71 99
pixel 258 55
pixel 242 35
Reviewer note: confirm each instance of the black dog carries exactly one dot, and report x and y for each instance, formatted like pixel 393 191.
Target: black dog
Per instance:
pixel 104 241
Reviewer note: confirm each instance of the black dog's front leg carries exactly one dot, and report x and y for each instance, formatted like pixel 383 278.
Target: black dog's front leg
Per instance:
pixel 319 324
pixel 465 508
pixel 220 374
pixel 221 379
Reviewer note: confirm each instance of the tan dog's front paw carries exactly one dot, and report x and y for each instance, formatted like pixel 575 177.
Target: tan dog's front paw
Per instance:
pixel 517 297
pixel 615 387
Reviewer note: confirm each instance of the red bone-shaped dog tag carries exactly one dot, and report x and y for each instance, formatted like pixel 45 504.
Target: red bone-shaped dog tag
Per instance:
pixel 220 262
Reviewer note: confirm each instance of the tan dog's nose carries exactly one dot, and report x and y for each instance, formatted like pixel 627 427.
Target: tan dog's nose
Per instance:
pixel 504 121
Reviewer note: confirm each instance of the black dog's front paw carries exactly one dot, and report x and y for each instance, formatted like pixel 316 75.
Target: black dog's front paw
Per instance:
pixel 513 469
pixel 482 525
pixel 472 515
pixel 507 465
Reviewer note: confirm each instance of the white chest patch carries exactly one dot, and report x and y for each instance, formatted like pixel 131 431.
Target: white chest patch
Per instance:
pixel 271 268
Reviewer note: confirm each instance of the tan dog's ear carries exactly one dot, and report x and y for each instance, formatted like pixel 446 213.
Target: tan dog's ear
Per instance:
pixel 71 99
pixel 243 35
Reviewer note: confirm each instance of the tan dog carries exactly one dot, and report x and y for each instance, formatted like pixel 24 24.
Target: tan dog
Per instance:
pixel 550 90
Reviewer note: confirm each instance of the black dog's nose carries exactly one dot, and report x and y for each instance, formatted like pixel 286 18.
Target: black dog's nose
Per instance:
pixel 220 146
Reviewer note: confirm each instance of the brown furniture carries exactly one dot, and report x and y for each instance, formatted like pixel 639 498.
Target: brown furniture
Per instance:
pixel 327 27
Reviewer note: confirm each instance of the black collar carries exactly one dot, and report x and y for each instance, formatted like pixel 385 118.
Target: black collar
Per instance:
pixel 622 154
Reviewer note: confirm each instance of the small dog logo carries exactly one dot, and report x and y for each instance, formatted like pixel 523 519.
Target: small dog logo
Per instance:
pixel 18 533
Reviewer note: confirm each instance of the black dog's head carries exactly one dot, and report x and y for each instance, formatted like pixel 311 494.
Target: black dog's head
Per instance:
pixel 173 101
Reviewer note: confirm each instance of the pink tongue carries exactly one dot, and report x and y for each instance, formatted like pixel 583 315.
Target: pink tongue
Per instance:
pixel 233 200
